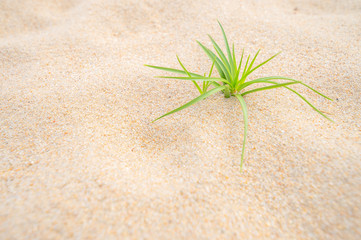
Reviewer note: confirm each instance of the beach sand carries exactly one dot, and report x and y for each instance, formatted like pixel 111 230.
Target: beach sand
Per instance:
pixel 80 158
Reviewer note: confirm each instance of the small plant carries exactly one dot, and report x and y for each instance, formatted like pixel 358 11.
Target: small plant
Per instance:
pixel 232 80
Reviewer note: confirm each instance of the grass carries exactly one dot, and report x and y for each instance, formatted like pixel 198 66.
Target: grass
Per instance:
pixel 232 80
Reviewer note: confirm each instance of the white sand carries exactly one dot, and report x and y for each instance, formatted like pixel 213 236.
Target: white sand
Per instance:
pixel 80 159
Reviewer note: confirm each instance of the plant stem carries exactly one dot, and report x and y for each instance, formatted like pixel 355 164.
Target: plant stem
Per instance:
pixel 227 92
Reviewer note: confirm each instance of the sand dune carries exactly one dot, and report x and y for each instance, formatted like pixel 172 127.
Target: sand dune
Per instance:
pixel 80 158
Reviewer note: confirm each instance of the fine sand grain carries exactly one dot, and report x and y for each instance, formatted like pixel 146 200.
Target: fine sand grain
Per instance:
pixel 80 158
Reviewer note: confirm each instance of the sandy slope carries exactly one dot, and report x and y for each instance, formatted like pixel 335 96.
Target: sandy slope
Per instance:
pixel 79 157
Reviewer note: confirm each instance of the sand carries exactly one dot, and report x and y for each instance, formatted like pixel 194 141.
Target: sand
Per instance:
pixel 80 158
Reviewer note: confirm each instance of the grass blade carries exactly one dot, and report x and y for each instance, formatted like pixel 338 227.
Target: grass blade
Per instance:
pixel 245 120
pixel 281 78
pixel 245 67
pixel 197 86
pixel 183 66
pixel 239 66
pixel 197 99
pixel 234 60
pixel 219 64
pixel 261 64
pixel 228 71
pixel 194 82
pixel 221 54
pixel 226 43
pixel 250 66
pixel 210 79
pixel 243 78
pixel 304 99
pixel 212 56
pixel 215 84
pixel 181 72
pixel 314 90
pixel 209 75
pixel 277 85
pixel 241 86
pixel 173 70
pixel 210 71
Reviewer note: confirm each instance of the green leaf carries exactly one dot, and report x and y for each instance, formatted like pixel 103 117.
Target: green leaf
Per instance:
pixel 241 86
pixel 194 82
pixel 226 43
pixel 207 83
pixel 269 87
pixel 245 67
pixel 179 71
pixel 197 99
pixel 219 65
pixel 239 66
pixel 304 99
pixel 210 79
pixel 245 120
pixel 316 91
pixel 234 62
pixel 212 56
pixel 263 63
pixel 279 78
pixel 215 84
pixel 221 55
pixel 228 71
pixel 255 56
pixel 210 72
pixel 183 66
pixel 173 70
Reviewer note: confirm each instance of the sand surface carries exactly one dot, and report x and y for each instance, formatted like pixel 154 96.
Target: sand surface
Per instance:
pixel 80 158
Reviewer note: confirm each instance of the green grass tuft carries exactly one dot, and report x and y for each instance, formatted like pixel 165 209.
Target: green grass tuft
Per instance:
pixel 232 80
